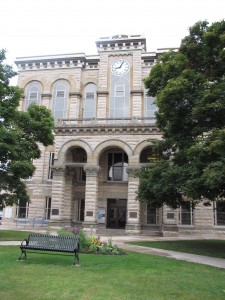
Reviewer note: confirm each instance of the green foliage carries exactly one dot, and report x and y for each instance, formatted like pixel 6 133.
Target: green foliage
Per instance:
pixel 91 243
pixel 189 87
pixel 20 134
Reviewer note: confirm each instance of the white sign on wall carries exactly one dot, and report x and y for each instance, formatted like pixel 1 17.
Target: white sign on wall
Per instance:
pixel 8 212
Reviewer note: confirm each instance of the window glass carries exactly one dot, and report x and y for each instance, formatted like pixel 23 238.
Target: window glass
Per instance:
pixel 90 101
pixel 117 166
pixel 60 99
pixel 22 209
pixel 219 208
pixel 119 96
pixel 33 94
pixel 48 204
pixel 150 107
pixel 152 215
pixel 186 214
pixel 50 164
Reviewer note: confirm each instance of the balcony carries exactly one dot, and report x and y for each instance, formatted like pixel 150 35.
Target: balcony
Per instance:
pixel 133 125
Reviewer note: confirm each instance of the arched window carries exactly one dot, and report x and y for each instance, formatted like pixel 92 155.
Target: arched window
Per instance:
pixel 149 108
pixel 89 101
pixel 60 99
pixel 33 94
pixel 147 155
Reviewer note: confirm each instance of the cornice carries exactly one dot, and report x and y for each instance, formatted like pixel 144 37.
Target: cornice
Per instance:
pixel 102 92
pixel 137 92
pixel 46 95
pixel 115 129
pixel 75 94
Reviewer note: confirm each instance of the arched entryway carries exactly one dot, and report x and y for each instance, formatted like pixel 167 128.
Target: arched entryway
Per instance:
pixel 113 186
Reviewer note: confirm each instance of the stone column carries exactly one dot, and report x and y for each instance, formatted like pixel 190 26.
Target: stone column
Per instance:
pixel 91 195
pixel 133 206
pixel 58 194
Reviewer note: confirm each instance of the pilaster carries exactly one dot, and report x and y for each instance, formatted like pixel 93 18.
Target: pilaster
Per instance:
pixel 46 99
pixel 58 192
pixel 133 205
pixel 91 194
pixel 74 105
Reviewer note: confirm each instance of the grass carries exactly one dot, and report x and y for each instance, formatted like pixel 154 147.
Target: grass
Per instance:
pixel 13 235
pixel 133 276
pixel 212 248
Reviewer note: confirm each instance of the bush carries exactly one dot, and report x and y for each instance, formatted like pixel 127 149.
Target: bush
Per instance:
pixel 92 244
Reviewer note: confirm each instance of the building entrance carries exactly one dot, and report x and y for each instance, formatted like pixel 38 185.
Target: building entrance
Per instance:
pixel 116 213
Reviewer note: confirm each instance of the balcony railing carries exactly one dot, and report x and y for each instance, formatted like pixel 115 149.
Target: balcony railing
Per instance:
pixel 106 121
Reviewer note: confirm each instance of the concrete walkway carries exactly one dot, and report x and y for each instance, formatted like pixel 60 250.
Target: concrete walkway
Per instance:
pixel 206 260
pixel 121 242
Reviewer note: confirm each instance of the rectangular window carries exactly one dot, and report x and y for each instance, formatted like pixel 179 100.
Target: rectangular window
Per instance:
pixel 22 210
pixel 33 96
pixel 90 95
pixel 186 214
pixel 81 208
pixel 48 204
pixel 152 215
pixel 60 94
pixel 219 213
pixel 150 108
pixel 50 164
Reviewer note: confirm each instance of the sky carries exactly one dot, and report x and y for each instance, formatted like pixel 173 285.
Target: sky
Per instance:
pixel 45 27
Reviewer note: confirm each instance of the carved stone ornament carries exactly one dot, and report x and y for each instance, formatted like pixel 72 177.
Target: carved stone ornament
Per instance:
pixel 92 170
pixel 132 170
pixel 58 170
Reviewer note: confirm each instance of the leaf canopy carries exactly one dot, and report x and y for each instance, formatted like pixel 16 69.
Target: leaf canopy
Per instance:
pixel 189 88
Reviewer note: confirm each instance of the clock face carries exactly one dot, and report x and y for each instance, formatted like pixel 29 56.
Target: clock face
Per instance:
pixel 120 67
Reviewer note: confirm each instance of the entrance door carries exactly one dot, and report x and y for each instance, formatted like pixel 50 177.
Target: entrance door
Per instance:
pixel 116 213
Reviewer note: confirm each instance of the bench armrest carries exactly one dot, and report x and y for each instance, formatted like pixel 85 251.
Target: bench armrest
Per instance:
pixel 25 240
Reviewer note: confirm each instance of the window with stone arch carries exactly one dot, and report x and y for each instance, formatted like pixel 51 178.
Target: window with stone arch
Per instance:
pixel 60 99
pixel 89 105
pixel 148 155
pixel 33 94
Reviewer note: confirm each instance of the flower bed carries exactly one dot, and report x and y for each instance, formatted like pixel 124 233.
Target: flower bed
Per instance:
pixel 93 244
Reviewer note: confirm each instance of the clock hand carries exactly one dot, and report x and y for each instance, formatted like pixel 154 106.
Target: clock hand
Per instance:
pixel 120 65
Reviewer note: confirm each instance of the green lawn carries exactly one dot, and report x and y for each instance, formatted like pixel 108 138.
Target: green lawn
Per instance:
pixel 13 235
pixel 127 277
pixel 213 248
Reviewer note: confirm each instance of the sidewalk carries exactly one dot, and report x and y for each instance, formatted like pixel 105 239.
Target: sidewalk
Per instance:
pixel 206 260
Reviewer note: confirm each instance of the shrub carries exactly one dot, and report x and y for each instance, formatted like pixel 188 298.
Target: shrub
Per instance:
pixel 92 244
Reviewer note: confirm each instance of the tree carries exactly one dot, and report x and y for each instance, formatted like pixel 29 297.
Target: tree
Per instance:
pixel 20 134
pixel 189 88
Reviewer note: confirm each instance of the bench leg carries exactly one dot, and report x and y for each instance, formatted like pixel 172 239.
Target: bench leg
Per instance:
pixel 76 258
pixel 23 252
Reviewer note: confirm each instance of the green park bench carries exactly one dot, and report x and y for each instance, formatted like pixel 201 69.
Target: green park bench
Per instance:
pixel 50 243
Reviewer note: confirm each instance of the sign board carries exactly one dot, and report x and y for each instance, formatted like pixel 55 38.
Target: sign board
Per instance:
pixel 101 215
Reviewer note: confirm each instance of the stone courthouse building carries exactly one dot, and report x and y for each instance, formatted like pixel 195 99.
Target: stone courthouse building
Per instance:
pixel 104 127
